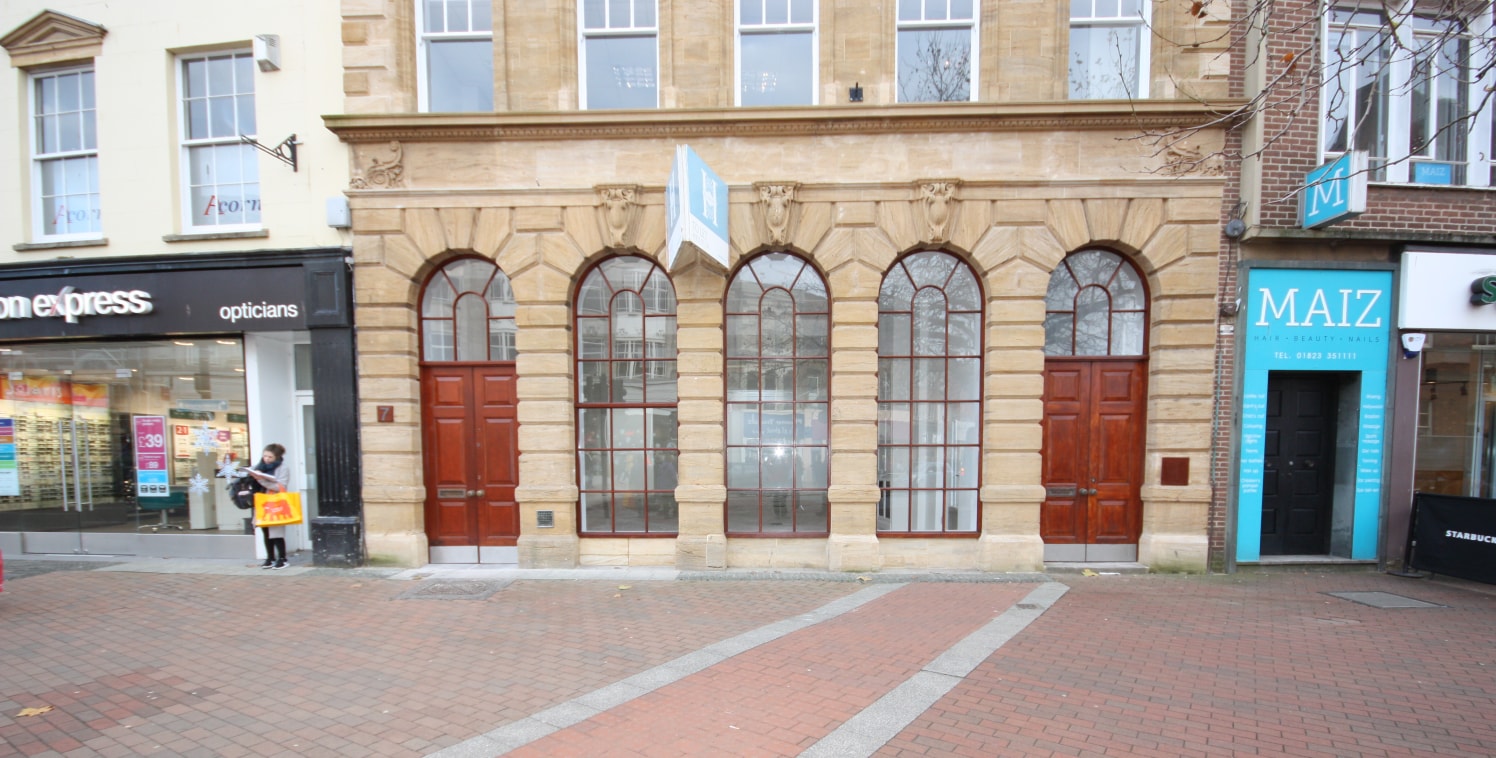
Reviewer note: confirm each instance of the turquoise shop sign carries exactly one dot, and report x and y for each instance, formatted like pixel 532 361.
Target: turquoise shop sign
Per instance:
pixel 1315 320
pixel 1334 192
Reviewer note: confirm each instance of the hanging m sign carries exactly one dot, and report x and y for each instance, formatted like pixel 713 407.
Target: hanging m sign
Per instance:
pixel 1334 192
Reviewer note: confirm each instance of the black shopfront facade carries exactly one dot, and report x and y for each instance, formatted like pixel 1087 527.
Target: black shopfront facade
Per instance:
pixel 128 384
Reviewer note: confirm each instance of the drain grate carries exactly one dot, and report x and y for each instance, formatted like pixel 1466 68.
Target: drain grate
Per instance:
pixel 447 589
pixel 1384 600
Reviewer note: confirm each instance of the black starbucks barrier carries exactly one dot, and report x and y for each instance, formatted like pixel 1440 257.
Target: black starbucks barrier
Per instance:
pixel 1454 536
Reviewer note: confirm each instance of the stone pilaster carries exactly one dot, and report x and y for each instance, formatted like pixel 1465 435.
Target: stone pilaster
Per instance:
pixel 701 492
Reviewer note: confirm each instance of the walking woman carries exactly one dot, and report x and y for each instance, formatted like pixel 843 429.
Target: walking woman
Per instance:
pixel 272 474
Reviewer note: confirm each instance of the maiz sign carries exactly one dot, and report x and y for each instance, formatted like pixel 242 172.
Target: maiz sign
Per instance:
pixel 696 209
pixel 1334 192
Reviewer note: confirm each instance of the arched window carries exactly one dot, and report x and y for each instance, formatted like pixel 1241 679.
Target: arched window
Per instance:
pixel 778 398
pixel 626 398
pixel 1096 305
pixel 929 396
pixel 467 313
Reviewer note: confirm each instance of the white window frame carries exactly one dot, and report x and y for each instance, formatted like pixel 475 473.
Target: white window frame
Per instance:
pixel 39 159
pixel 750 30
pixel 424 39
pixel 584 34
pixel 186 144
pixel 1480 164
pixel 1143 21
pixel 972 24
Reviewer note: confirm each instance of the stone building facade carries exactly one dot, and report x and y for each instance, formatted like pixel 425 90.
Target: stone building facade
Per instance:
pixel 1021 185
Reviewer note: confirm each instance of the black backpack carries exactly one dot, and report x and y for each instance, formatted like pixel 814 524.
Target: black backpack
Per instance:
pixel 243 492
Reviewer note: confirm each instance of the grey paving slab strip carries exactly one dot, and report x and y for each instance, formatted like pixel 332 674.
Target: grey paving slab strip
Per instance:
pixel 520 733
pixel 865 733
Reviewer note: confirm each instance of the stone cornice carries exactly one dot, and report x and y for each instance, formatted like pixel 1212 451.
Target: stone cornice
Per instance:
pixel 953 118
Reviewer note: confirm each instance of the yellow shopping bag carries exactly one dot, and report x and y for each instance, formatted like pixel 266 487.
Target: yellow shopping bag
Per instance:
pixel 277 508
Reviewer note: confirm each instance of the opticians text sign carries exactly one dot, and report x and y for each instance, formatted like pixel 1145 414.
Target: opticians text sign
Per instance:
pixel 240 299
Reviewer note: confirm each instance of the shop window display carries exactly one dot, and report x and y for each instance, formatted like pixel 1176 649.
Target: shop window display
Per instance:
pixel 121 436
pixel 1457 416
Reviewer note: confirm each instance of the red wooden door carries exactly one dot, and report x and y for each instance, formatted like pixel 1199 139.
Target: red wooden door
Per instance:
pixel 1093 451
pixel 472 455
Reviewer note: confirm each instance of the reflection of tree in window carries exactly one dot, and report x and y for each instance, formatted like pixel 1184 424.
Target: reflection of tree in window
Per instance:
pixel 929 395
pixel 935 50
pixel 778 364
pixel 626 398
pixel 1095 306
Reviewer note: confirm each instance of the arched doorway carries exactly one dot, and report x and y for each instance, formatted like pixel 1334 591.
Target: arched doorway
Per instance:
pixel 469 425
pixel 1095 391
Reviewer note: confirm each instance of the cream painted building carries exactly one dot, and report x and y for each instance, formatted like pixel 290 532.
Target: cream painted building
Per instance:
pixel 173 272
pixel 965 319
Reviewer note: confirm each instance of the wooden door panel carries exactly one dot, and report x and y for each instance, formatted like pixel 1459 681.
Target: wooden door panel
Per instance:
pixel 498 447
pixel 471 455
pixel 1093 439
pixel 1298 465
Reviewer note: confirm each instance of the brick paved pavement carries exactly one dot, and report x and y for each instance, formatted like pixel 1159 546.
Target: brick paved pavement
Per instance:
pixel 153 664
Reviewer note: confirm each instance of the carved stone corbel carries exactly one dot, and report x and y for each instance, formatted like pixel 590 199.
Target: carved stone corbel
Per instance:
pixel 382 174
pixel 776 201
pixel 618 208
pixel 938 203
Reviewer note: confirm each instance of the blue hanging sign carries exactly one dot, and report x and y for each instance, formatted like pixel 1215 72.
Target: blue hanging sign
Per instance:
pixel 1334 192
pixel 696 210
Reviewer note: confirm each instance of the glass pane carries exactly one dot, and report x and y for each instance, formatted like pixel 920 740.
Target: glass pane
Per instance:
pixel 1126 290
pixel 743 296
pixel 482 15
pixel 898 507
pixel 628 326
pixel 928 468
pixel 802 11
pixel 1103 62
pixel 628 427
pixel 930 269
pixel 661 381
pixel 742 380
pixel 897 293
pixel 501 333
pixel 620 72
pixel 935 10
pixel 594 14
pixel 893 379
pixel 742 336
pixel 777 424
pixel 811 380
pixel 628 470
pixel 910 10
pixel 1127 334
pixel 810 424
pixel 593 297
pixel 776 11
pixel 1093 267
pixel 1062 289
pixel 776 69
pixel 595 471
pixel 1092 314
pixel 934 65
pixel 750 12
pixel 593 382
pixel 778 323
pixel 742 511
pixel 962 290
pixel 197 119
pixel 893 470
pixel 777 468
pixel 472 329
pixel 662 470
pixel 929 379
pixel 777 269
pixel 811 335
pixel 220 76
pixel 962 471
pixel 593 428
pixel 664 515
pixel 1058 329
pixel 597 512
pixel 929 323
pixel 965 330
pixel 245 108
pixel 894 335
pixel 810 469
pixel 742 470
pixel 964 505
pixel 438 298
pixel 195 76
pixel 619 16
pixel 70 131
pixel 628 512
pixel 778 378
pixel 592 335
pixel 659 296
pixel 628 381
pixel 459 76
pixel 501 296
pixel 742 424
pixel 965 423
pixel 965 379
pixel 810 512
pixel 929 423
pixel 663 427
pixel 457 15
pixel 470 274
pixel 893 423
pixel 437 337
pixel 810 293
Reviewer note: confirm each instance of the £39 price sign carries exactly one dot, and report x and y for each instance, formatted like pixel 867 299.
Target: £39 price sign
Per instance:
pixel 150 456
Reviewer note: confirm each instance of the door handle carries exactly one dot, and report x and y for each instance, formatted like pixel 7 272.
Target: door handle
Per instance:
pixel 1085 491
pixel 474 493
